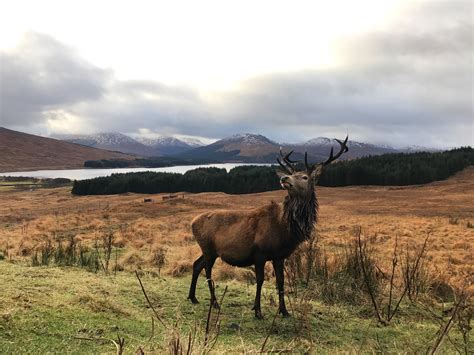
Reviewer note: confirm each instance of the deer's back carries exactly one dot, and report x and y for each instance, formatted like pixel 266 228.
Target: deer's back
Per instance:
pixel 236 235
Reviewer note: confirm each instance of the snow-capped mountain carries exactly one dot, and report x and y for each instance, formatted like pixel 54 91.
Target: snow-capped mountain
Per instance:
pixel 237 148
pixel 319 141
pixel 140 146
pixel 321 146
pixel 248 139
pixel 170 145
pixel 112 141
pixel 193 142
pixel 418 148
pixel 257 148
pixel 245 147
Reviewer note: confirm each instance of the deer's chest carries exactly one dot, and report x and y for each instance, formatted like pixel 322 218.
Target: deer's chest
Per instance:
pixel 278 247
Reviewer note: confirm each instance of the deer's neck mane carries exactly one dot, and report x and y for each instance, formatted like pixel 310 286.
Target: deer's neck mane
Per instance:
pixel 301 215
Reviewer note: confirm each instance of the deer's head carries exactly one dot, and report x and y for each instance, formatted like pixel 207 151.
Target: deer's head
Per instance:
pixel 301 183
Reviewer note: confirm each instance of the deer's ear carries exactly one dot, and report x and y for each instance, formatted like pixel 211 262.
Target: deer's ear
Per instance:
pixel 316 173
pixel 281 174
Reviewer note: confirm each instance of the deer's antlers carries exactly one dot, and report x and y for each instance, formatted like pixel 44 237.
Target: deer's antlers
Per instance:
pixel 343 149
pixel 331 158
pixel 288 167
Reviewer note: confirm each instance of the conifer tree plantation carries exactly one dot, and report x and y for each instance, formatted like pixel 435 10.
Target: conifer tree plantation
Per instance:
pixel 384 170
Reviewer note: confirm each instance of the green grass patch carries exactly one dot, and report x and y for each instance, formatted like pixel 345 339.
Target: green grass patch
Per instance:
pixel 58 310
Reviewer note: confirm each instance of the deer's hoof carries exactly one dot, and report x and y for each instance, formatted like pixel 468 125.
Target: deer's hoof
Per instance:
pixel 193 300
pixel 258 314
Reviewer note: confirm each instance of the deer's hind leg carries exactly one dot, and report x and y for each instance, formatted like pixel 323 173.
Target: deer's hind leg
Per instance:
pixel 209 263
pixel 197 268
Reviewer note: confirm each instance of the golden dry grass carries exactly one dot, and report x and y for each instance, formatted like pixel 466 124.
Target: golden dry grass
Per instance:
pixel 445 209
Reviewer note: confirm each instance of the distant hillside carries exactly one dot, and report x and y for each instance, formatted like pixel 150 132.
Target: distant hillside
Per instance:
pixel 247 148
pixel 255 148
pixel 146 147
pixel 20 152
pixel 112 141
pixel 170 145
pixel 321 146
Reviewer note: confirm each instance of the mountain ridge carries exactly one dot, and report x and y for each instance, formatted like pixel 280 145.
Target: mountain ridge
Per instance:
pixel 114 141
pixel 168 145
pixel 139 146
pixel 256 148
pixel 248 145
pixel 237 148
pixel 21 151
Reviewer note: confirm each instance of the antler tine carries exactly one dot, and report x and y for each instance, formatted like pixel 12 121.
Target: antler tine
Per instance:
pixel 343 149
pixel 284 167
pixel 343 144
pixel 285 157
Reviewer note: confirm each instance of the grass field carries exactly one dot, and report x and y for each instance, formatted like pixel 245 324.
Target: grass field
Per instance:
pixel 8 186
pixel 58 310
pixel 68 308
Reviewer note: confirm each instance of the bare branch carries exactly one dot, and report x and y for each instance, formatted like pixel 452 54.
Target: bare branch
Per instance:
pixel 411 275
pixel 446 327
pixel 366 279
pixel 148 300
pixel 269 331
pixel 392 276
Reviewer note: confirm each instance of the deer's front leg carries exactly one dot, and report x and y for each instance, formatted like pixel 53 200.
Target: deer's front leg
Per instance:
pixel 278 266
pixel 259 273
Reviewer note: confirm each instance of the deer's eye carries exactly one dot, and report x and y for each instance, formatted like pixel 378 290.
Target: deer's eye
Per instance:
pixel 305 177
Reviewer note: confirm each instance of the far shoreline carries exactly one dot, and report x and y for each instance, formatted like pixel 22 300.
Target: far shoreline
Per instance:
pixel 82 173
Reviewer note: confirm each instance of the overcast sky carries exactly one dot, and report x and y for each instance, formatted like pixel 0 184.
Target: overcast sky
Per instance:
pixel 391 72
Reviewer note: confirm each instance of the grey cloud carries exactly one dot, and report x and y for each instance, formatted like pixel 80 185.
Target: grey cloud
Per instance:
pixel 143 104
pixel 42 74
pixel 412 81
pixel 143 88
pixel 408 84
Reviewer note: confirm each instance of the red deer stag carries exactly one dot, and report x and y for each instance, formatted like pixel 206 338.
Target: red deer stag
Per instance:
pixel 269 233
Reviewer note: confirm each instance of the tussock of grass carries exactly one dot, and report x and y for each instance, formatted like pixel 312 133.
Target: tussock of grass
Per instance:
pixel 99 303
pixel 132 258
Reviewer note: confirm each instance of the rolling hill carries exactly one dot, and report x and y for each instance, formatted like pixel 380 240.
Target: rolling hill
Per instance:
pixel 21 152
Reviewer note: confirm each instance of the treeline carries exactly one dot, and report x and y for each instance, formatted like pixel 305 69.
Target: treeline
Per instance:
pixel 240 180
pixel 398 169
pixel 387 169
